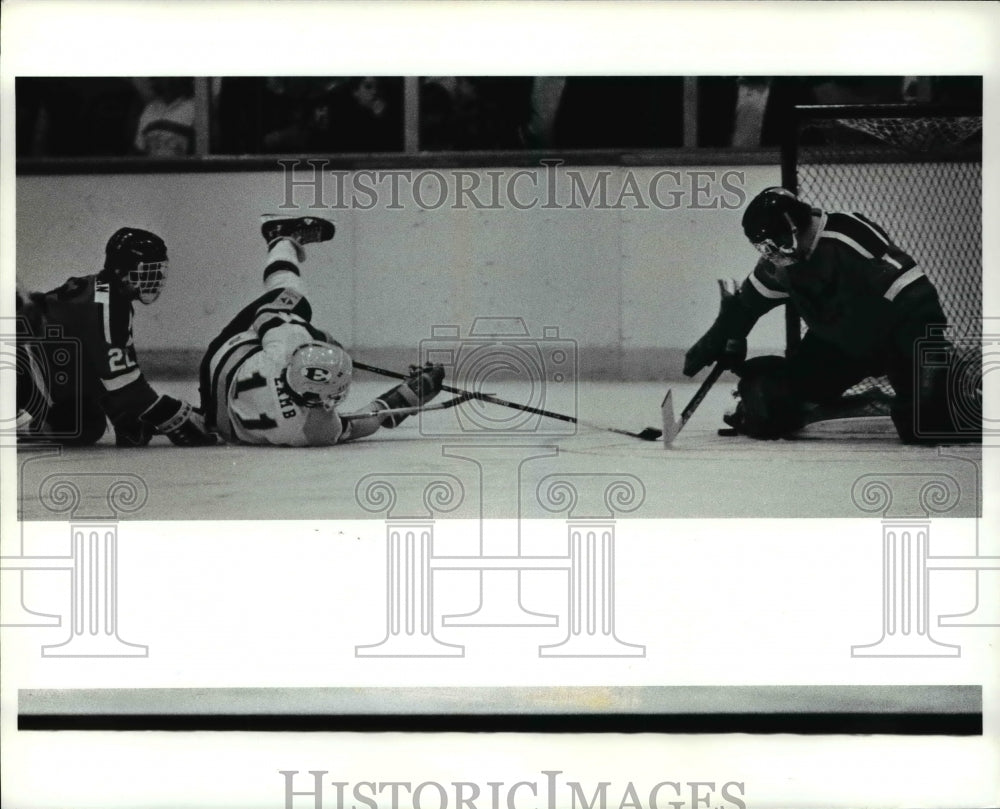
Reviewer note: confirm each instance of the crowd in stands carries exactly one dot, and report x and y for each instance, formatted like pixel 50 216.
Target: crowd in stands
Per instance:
pixel 157 117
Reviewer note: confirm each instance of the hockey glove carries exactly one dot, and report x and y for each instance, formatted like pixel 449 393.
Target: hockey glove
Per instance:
pixel 133 433
pixel 725 341
pixel 422 385
pixel 768 406
pixel 178 421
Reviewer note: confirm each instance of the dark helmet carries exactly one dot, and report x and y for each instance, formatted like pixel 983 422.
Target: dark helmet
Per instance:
pixel 138 259
pixel 773 219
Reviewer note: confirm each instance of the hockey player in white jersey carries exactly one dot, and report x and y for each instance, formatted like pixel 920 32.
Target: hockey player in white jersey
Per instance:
pixel 272 377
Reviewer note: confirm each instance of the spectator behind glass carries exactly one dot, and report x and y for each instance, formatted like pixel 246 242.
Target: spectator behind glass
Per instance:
pixel 75 117
pixel 437 109
pixel 371 117
pixel 476 112
pixel 611 112
pixel 748 111
pixel 258 114
pixel 166 125
pixel 279 115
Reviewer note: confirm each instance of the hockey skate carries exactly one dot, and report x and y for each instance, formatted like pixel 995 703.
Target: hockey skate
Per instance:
pixel 303 229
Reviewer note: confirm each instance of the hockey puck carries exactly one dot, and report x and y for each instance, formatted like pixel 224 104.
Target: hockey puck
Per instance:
pixel 728 432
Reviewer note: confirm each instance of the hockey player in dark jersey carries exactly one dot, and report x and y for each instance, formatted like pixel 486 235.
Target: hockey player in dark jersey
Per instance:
pixel 865 302
pixel 80 367
pixel 271 377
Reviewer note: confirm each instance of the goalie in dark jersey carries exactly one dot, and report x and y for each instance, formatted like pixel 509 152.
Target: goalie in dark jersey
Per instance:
pixel 867 306
pixel 272 377
pixel 77 365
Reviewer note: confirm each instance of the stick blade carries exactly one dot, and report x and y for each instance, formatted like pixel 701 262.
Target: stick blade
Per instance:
pixel 670 427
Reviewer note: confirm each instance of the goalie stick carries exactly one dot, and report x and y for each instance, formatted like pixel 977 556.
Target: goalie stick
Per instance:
pixel 648 434
pixel 672 426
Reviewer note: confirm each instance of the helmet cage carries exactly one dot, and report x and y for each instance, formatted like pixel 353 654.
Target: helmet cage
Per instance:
pixel 146 281
pixel 319 374
pixel 137 259
pixel 778 243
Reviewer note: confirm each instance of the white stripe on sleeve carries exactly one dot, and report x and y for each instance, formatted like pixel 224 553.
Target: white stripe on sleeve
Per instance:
pixel 765 291
pixel 119 382
pixel 903 281
pixel 101 298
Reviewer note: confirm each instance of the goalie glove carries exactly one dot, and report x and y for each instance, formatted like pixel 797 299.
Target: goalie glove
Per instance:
pixel 422 385
pixel 183 424
pixel 726 339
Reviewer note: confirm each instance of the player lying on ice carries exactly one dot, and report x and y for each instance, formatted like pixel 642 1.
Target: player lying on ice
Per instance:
pixel 272 377
pixel 867 306
pixel 77 365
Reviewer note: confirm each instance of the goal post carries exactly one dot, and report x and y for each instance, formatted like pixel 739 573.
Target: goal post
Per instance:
pixel 914 169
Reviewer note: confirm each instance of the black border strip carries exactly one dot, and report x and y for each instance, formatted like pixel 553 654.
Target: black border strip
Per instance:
pixel 903 724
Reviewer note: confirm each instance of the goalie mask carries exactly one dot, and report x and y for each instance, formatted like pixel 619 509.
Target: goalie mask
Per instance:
pixel 772 222
pixel 138 260
pixel 319 374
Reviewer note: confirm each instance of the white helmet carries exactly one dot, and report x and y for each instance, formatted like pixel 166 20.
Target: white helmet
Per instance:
pixel 319 374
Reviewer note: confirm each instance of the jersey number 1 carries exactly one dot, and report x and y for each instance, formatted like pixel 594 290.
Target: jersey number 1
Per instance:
pixel 263 421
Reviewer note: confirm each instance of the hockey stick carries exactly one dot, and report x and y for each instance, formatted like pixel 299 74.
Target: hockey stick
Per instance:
pixel 648 434
pixel 672 426
pixel 408 411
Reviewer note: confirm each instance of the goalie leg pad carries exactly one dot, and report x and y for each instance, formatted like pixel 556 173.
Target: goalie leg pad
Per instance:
pixel 946 406
pixel 769 407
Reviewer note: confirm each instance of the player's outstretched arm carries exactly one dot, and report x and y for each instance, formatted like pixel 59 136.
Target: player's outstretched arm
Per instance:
pixel 725 341
pixel 421 386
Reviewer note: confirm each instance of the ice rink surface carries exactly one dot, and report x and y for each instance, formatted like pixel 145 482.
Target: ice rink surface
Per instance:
pixel 509 456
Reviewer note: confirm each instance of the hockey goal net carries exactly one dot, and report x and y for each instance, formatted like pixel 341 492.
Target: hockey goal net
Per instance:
pixel 915 170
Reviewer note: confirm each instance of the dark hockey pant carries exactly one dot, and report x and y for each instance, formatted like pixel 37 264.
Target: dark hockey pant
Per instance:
pixel 920 363
pixel 53 387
